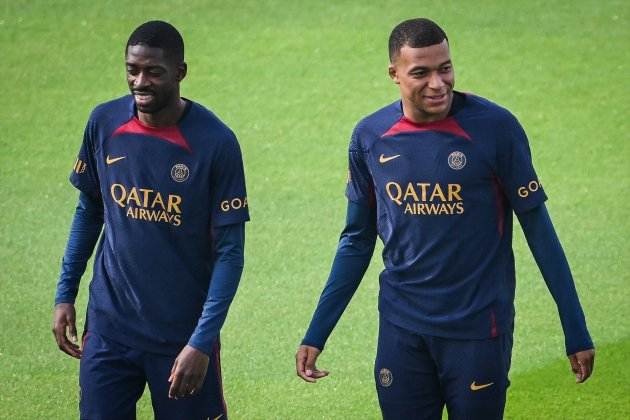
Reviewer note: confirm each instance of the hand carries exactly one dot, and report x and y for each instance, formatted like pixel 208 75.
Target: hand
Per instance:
pixel 582 364
pixel 305 359
pixel 188 372
pixel 64 326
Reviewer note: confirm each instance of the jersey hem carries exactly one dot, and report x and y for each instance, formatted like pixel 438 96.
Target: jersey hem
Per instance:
pixel 444 331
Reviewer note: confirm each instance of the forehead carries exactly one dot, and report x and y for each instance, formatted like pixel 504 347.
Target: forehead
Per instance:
pixel 143 55
pixel 430 56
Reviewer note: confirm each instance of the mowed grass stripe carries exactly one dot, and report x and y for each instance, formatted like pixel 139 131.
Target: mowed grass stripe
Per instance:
pixel 550 392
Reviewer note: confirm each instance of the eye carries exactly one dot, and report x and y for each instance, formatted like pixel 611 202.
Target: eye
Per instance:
pixel 155 72
pixel 445 69
pixel 132 71
pixel 418 74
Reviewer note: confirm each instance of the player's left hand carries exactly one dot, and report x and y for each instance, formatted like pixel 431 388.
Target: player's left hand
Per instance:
pixel 188 372
pixel 582 364
pixel 305 368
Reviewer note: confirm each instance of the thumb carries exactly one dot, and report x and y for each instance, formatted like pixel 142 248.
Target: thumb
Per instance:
pixel 575 367
pixel 72 330
pixel 311 358
pixel 170 378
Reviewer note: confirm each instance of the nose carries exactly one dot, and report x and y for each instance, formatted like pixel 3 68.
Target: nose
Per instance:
pixel 435 81
pixel 141 80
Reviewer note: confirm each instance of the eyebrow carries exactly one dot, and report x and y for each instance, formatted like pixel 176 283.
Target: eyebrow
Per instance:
pixel 428 68
pixel 155 66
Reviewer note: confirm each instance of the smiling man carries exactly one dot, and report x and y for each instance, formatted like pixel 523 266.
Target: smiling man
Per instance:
pixel 165 177
pixel 437 176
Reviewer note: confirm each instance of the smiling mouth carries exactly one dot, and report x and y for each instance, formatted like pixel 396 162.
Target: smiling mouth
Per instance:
pixel 143 98
pixel 436 97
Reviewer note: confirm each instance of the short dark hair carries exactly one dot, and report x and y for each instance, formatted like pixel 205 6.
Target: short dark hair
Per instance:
pixel 416 33
pixel 159 34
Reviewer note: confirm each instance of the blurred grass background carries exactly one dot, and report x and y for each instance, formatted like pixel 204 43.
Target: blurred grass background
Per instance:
pixel 292 79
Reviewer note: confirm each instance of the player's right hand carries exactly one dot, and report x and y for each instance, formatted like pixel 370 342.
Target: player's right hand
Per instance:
pixel 305 359
pixel 65 329
pixel 582 364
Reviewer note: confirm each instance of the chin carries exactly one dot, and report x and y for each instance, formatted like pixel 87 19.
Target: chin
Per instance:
pixel 147 109
pixel 440 110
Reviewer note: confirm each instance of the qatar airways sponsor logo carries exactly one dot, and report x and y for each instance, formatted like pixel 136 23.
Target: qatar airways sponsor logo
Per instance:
pixel 425 198
pixel 148 204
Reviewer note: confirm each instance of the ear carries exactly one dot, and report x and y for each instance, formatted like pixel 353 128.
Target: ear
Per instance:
pixel 182 70
pixel 393 74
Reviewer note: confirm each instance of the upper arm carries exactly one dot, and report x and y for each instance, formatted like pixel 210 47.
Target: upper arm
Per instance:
pixel 228 195
pixel 360 187
pixel 515 168
pixel 84 175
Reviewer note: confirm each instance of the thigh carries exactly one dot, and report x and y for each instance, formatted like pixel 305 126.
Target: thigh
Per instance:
pixel 207 403
pixel 474 376
pixel 110 381
pixel 406 376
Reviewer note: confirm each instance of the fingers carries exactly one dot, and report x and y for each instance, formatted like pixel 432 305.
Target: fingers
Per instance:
pixel 64 326
pixel 300 365
pixel 175 381
pixel 172 375
pixel 586 362
pixel 184 385
pixel 317 374
pixel 67 346
pixel 575 367
pixel 582 364
pixel 64 344
pixel 188 374
pixel 72 331
pixel 311 369
pixel 305 368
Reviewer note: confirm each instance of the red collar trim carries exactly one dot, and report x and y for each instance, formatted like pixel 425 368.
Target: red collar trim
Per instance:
pixel 447 125
pixel 171 134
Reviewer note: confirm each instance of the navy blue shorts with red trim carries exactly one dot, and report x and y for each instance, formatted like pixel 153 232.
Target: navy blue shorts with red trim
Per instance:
pixel 113 376
pixel 417 375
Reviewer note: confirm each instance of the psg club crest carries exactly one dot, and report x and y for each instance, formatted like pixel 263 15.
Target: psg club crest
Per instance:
pixel 385 377
pixel 180 172
pixel 457 160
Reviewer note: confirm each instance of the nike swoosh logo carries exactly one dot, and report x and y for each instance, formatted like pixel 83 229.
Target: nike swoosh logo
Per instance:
pixel 383 159
pixel 218 417
pixel 475 387
pixel 109 160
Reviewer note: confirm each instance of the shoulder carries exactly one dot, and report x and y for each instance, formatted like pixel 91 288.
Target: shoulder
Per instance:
pixel 479 108
pixel 108 116
pixel 208 132
pixel 119 108
pixel 207 124
pixel 493 125
pixel 373 126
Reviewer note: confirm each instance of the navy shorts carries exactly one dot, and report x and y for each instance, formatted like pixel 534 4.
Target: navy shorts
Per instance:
pixel 113 376
pixel 417 375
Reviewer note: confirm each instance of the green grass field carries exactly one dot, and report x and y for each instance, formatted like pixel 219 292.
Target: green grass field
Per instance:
pixel 292 79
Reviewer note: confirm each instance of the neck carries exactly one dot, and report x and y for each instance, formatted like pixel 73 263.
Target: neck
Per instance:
pixel 412 113
pixel 166 116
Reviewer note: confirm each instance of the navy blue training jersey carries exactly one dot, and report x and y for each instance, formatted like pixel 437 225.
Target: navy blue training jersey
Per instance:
pixel 444 193
pixel 162 189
